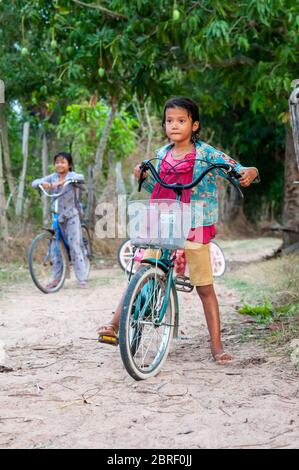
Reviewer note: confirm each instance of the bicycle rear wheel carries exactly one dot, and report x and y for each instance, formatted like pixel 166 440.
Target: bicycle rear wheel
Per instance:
pixel 87 248
pixel 217 260
pixel 48 262
pixel 144 345
pixel 125 256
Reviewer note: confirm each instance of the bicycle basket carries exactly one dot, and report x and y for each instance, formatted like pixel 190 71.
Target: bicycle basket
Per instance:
pixel 163 223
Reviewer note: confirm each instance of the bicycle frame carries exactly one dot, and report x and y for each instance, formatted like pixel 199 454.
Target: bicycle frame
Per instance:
pixel 168 268
pixel 58 232
pixel 55 222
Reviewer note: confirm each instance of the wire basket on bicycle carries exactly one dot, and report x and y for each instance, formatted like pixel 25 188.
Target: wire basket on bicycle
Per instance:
pixel 163 223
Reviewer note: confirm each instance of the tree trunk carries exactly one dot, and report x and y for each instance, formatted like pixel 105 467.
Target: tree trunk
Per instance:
pixel 91 198
pixel 103 142
pixel 108 195
pixel 20 196
pixel 291 194
pixel 45 162
pixel 230 203
pixel 3 219
pixel 121 202
pixel 6 153
pixel 294 113
pixel 120 184
pixel 132 184
pixel 149 132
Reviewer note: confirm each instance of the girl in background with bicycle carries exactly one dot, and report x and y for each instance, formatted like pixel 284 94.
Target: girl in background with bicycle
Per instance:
pixel 180 161
pixel 69 215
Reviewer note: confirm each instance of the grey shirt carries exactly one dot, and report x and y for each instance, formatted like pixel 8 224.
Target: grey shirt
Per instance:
pixel 68 203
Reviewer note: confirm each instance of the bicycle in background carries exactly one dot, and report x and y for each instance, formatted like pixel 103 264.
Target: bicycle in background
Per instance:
pixel 51 244
pixel 126 261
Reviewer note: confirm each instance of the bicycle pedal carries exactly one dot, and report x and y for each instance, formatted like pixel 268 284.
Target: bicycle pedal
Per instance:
pixel 108 340
pixel 182 284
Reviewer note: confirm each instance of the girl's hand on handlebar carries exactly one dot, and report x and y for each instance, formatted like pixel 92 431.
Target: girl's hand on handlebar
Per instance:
pixel 47 185
pixel 136 172
pixel 57 184
pixel 248 176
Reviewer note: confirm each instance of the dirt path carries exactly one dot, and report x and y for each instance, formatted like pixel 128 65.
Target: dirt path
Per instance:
pixel 67 391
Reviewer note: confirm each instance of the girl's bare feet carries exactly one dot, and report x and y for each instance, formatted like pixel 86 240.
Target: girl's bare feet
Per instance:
pixel 220 356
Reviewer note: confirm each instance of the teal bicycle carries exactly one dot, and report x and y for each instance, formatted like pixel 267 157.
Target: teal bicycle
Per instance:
pixel 150 310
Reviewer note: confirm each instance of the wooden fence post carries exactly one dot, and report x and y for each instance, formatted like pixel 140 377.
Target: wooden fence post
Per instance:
pixel 3 219
pixel 45 172
pixel 20 196
pixel 294 112
pixel 90 197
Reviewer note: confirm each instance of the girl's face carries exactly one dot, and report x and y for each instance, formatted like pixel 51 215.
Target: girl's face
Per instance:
pixel 61 165
pixel 179 125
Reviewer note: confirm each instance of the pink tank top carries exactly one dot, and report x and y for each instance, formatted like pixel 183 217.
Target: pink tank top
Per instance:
pixel 181 171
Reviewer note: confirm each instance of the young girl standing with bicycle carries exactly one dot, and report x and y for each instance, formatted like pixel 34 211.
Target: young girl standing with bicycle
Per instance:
pixel 69 216
pixel 181 161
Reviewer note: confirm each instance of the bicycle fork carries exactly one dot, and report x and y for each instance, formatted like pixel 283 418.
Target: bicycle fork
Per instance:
pixel 151 296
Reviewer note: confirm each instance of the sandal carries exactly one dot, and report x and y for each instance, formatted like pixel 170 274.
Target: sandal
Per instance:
pixel 108 334
pixel 83 285
pixel 52 284
pixel 223 358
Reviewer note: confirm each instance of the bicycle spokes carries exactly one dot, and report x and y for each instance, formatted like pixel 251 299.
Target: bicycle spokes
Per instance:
pixel 47 263
pixel 148 337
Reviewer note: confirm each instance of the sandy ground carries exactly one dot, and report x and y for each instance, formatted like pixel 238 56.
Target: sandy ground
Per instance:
pixel 60 388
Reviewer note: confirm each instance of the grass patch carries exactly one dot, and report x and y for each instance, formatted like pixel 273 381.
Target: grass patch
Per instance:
pixel 270 295
pixel 275 279
pixel 267 313
pixel 13 273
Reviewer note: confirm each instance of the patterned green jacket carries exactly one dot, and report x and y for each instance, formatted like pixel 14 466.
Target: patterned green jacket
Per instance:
pixel 204 197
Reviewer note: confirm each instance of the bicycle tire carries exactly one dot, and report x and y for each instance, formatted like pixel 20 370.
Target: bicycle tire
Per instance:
pixel 125 255
pixel 131 348
pixel 217 259
pixel 38 260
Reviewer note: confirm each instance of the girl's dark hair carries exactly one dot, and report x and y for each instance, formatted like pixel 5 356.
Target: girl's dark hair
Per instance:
pixel 68 157
pixel 189 105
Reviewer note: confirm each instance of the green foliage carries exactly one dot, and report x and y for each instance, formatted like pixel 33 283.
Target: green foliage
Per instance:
pixel 281 322
pixel 267 313
pixel 13 273
pixel 261 311
pixel 253 140
pixel 236 58
pixel 251 49
pixel 82 126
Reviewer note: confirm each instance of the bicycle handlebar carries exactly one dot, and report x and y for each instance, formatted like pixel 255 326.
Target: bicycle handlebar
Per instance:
pixel 66 183
pixel 178 188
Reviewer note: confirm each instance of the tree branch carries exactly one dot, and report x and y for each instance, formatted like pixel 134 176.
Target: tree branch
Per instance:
pixel 238 59
pixel 103 9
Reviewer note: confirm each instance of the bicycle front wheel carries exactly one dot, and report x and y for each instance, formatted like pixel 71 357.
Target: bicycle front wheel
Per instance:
pixel 144 343
pixel 48 262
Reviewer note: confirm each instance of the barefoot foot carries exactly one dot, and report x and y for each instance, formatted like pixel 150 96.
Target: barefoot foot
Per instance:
pixel 220 356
